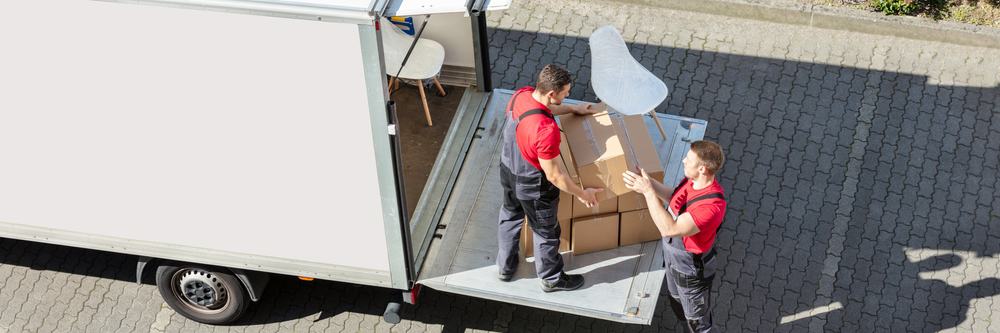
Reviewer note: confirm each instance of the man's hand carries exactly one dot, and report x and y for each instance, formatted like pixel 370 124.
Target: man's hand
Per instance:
pixel 589 197
pixel 638 183
pixel 584 109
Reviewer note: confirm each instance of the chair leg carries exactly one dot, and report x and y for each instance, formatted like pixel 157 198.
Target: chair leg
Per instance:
pixel 392 80
pixel 423 98
pixel 439 87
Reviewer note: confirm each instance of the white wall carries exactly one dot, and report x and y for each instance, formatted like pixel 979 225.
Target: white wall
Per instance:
pixel 239 133
pixel 454 32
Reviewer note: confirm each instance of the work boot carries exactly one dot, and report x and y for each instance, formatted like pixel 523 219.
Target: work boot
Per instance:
pixel 565 282
pixel 505 277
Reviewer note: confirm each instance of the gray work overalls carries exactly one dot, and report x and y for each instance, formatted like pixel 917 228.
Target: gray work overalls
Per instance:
pixel 527 191
pixel 689 275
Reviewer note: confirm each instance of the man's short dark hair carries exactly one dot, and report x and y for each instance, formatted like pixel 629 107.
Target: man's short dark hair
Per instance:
pixel 552 78
pixel 710 154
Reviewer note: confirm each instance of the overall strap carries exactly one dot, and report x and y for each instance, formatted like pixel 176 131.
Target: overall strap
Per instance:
pixel 534 112
pixel 684 181
pixel 510 106
pixel 699 259
pixel 700 198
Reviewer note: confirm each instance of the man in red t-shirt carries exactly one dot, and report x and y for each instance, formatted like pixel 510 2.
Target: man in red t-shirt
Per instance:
pixel 696 209
pixel 532 178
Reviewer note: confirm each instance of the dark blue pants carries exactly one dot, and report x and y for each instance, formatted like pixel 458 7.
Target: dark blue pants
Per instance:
pixel 542 215
pixel 689 280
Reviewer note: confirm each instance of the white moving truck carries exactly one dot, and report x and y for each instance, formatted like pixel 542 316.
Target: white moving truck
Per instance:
pixel 222 141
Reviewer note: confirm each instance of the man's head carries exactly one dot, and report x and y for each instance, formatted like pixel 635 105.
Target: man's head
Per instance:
pixel 704 159
pixel 553 84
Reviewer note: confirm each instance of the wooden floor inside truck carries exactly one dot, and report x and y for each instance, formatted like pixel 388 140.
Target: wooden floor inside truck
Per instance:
pixel 622 284
pixel 420 143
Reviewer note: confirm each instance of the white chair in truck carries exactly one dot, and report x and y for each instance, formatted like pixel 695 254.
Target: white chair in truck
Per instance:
pixel 424 63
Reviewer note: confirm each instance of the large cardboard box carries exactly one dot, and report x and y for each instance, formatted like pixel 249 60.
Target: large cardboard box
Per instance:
pixel 565 212
pixel 631 201
pixel 602 207
pixel 595 233
pixel 566 155
pixel 637 227
pixel 604 145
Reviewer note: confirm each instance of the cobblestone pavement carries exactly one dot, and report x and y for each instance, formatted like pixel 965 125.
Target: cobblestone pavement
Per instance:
pixel 861 172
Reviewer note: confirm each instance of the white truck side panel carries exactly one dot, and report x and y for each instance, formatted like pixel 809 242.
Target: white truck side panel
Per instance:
pixel 237 133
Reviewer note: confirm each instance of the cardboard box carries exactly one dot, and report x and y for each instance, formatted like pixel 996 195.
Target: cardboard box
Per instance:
pixel 565 212
pixel 595 233
pixel 567 159
pixel 637 227
pixel 631 201
pixel 604 145
pixel 602 207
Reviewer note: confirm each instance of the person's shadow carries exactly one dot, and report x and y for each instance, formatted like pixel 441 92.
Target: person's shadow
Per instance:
pixel 949 301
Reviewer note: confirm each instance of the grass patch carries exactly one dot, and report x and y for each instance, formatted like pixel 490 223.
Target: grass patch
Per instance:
pixel 978 12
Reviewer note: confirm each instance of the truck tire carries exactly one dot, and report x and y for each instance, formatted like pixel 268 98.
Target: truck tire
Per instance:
pixel 201 293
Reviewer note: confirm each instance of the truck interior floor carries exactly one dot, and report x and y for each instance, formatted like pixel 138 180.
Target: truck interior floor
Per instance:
pixel 420 143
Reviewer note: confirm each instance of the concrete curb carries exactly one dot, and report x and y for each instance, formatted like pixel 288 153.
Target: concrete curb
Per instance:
pixel 839 19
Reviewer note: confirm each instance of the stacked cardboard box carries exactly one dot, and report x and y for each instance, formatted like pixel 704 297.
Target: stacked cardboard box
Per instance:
pixel 596 150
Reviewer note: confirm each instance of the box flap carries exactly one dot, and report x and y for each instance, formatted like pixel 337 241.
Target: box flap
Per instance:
pixel 592 138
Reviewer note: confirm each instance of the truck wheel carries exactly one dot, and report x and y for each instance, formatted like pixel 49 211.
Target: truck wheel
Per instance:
pixel 201 293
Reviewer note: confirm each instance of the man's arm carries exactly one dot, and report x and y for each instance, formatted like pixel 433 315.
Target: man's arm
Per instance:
pixel 579 109
pixel 668 226
pixel 558 176
pixel 662 191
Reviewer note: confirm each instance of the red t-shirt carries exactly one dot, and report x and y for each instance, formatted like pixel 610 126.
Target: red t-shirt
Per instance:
pixel 537 136
pixel 707 214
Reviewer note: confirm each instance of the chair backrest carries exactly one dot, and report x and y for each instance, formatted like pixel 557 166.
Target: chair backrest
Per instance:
pixel 618 79
pixel 393 38
pixel 425 61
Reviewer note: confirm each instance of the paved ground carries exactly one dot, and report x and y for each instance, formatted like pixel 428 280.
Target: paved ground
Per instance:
pixel 862 178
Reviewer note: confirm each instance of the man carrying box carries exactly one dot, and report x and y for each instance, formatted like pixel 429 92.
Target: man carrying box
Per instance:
pixel 532 177
pixel 697 206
